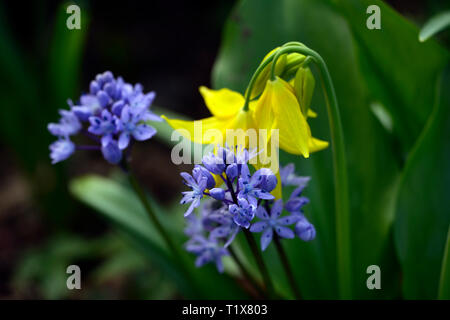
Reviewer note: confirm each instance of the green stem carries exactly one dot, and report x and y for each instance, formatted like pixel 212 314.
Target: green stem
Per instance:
pixel 287 267
pixel 245 273
pixel 340 169
pixel 159 227
pixel 253 79
pixel 260 262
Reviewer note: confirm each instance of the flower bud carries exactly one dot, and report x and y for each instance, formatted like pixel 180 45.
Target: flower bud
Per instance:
pixel 232 171
pixel 305 230
pixel 265 74
pixel 304 84
pixel 217 193
pixel 199 170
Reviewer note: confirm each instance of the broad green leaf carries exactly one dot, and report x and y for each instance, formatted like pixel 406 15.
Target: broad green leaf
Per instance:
pixel 436 24
pixel 423 215
pixel 400 71
pixel 121 206
pixel 256 27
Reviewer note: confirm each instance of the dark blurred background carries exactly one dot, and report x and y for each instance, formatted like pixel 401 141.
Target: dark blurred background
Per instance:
pixel 169 47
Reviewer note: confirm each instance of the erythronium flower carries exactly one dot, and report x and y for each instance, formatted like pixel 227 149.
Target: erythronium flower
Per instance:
pixel 280 106
pixel 112 113
pixel 272 222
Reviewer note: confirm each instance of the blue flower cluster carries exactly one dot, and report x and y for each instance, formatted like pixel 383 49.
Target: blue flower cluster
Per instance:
pixel 233 198
pixel 113 114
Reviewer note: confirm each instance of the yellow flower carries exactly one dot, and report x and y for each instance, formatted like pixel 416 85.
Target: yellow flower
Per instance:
pixel 226 108
pixel 281 106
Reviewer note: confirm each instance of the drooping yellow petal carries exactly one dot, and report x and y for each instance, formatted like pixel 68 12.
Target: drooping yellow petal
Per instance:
pixel 223 103
pixel 237 133
pixel 204 131
pixel 294 130
pixel 263 115
pixel 317 145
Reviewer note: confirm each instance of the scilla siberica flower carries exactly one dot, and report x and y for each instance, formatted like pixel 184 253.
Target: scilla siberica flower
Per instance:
pixel 112 114
pixel 233 205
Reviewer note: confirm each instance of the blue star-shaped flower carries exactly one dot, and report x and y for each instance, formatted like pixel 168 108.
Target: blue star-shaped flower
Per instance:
pixel 272 222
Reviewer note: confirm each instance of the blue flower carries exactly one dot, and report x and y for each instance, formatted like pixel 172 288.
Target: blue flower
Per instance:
pixel 249 186
pixel 272 222
pixel 111 151
pixel 224 226
pixel 61 149
pixel 213 163
pixel 131 124
pixel 304 229
pixel 89 105
pixel 198 186
pixel 112 113
pixel 289 178
pixel 68 125
pixel 207 250
pixel 199 172
pixel 243 212
pixel 106 124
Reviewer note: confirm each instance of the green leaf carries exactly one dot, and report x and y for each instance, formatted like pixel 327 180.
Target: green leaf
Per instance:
pixel 121 206
pixel 65 55
pixel 400 71
pixel 436 24
pixel 423 215
pixel 256 27
pixel 444 282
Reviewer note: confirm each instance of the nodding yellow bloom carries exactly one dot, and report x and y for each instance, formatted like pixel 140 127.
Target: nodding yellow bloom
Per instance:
pixel 276 104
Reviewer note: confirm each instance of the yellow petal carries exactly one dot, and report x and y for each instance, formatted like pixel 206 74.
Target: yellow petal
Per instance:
pixel 196 130
pixel 223 103
pixel 294 131
pixel 311 114
pixel 317 145
pixel 263 114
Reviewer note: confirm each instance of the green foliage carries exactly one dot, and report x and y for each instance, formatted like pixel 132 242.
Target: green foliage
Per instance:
pixel 423 215
pixel 118 203
pixel 436 24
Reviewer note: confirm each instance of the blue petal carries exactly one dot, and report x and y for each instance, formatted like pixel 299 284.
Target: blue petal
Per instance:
pixel 259 226
pixel 143 132
pixel 305 230
pixel 262 213
pixel 124 140
pixel 276 209
pixel 217 193
pixel 288 220
pixel 285 232
pixel 112 153
pixel 266 238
